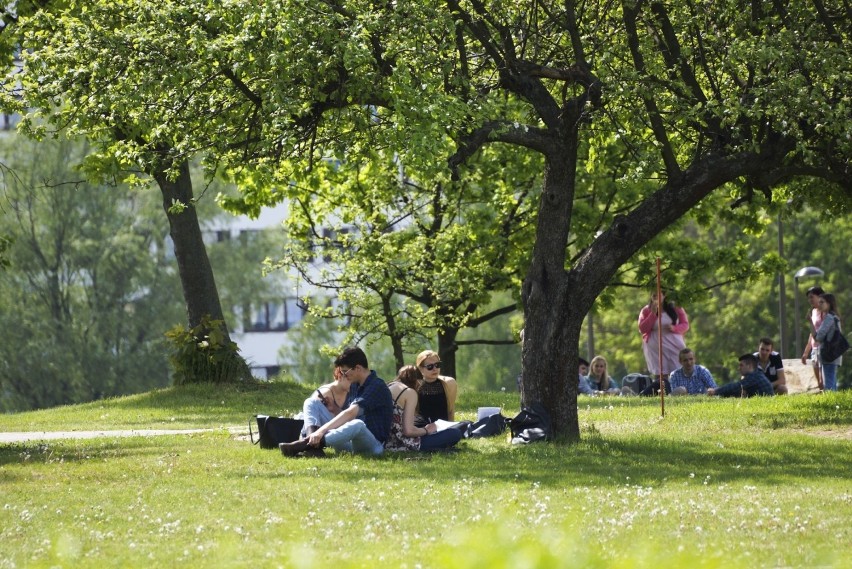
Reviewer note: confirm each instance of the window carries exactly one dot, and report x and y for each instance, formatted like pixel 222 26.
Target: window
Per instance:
pixel 275 316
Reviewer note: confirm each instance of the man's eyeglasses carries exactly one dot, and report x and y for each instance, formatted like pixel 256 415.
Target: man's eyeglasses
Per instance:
pixel 343 372
pixel 430 367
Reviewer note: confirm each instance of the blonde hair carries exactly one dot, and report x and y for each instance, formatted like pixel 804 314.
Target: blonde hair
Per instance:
pixel 425 354
pixel 604 380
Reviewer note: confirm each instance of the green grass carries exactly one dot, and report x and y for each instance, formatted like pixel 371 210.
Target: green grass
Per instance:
pixel 716 483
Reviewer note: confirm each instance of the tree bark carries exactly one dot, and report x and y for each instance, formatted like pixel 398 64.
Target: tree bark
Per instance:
pixel 447 349
pixel 551 321
pixel 196 274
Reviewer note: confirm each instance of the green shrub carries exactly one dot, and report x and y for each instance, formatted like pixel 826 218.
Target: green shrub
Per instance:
pixel 205 354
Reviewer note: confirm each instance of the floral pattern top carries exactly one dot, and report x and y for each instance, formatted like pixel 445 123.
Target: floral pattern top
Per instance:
pixel 397 441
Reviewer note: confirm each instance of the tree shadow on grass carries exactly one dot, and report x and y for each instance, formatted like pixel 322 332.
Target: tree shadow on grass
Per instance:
pixel 100 449
pixel 188 406
pixel 637 460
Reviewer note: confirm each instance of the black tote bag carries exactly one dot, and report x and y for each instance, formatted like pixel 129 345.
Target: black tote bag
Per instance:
pixel 274 430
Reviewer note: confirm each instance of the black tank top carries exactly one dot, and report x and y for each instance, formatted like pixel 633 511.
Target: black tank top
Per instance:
pixel 432 401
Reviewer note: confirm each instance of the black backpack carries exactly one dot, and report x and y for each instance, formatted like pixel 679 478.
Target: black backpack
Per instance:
pixel 531 424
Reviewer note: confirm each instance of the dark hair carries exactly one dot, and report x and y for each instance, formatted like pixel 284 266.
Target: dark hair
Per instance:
pixel 408 376
pixel 817 290
pixel 832 303
pixel 352 357
pixel 582 362
pixel 668 307
pixel 749 359
pixel 684 351
pixel 767 341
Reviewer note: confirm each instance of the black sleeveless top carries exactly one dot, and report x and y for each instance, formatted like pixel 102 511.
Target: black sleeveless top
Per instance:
pixel 431 402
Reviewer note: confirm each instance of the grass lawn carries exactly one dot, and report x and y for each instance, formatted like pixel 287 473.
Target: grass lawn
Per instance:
pixel 716 483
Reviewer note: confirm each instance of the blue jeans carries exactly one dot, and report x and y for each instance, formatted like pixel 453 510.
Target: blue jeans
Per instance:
pixel 829 376
pixel 354 436
pixel 314 413
pixel 440 440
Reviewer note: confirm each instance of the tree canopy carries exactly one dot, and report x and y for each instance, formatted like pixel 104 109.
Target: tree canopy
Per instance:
pixel 694 97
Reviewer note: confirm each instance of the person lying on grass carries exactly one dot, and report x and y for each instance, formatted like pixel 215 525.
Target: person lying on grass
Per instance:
pixel 364 425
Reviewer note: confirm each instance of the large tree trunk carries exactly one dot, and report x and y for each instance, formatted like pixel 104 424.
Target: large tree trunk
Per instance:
pixel 196 274
pixel 551 320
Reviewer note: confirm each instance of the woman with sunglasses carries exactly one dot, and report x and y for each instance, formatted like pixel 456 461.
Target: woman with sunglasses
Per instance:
pixel 436 393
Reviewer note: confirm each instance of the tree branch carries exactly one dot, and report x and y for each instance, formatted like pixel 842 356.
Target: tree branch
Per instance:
pixel 499 131
pixel 474 322
pixel 657 126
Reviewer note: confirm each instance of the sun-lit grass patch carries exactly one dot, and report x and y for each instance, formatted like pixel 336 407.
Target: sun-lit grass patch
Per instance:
pixel 714 483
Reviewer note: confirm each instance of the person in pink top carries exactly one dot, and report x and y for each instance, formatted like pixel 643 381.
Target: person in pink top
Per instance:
pixel 674 325
pixel 812 347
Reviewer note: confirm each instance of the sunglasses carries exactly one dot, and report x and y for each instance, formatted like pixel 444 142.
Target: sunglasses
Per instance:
pixel 430 367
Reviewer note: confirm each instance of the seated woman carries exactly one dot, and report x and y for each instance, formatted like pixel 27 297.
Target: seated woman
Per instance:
pixel 404 435
pixel 599 378
pixel 325 403
pixel 436 393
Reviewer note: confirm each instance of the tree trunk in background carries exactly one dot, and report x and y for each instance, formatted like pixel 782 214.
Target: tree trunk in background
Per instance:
pixel 196 274
pixel 447 349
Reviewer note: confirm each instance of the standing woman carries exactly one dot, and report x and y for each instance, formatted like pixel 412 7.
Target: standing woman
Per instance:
pixel 674 326
pixel 812 347
pixel 404 434
pixel 436 393
pixel 829 327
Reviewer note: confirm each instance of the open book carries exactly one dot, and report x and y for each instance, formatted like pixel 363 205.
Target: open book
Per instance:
pixel 444 425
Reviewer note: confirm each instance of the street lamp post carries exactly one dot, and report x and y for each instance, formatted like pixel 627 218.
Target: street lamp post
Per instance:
pixel 803 272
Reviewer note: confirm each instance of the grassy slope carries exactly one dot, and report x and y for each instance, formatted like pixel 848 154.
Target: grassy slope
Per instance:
pixel 717 483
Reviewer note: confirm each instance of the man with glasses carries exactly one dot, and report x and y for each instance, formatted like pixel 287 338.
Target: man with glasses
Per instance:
pixel 364 424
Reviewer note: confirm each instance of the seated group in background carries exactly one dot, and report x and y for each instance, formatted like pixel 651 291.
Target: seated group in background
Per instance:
pixel 693 379
pixel 753 381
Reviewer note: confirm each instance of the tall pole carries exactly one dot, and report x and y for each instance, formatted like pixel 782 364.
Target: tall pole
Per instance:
pixel 660 340
pixel 798 327
pixel 782 295
pixel 590 336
